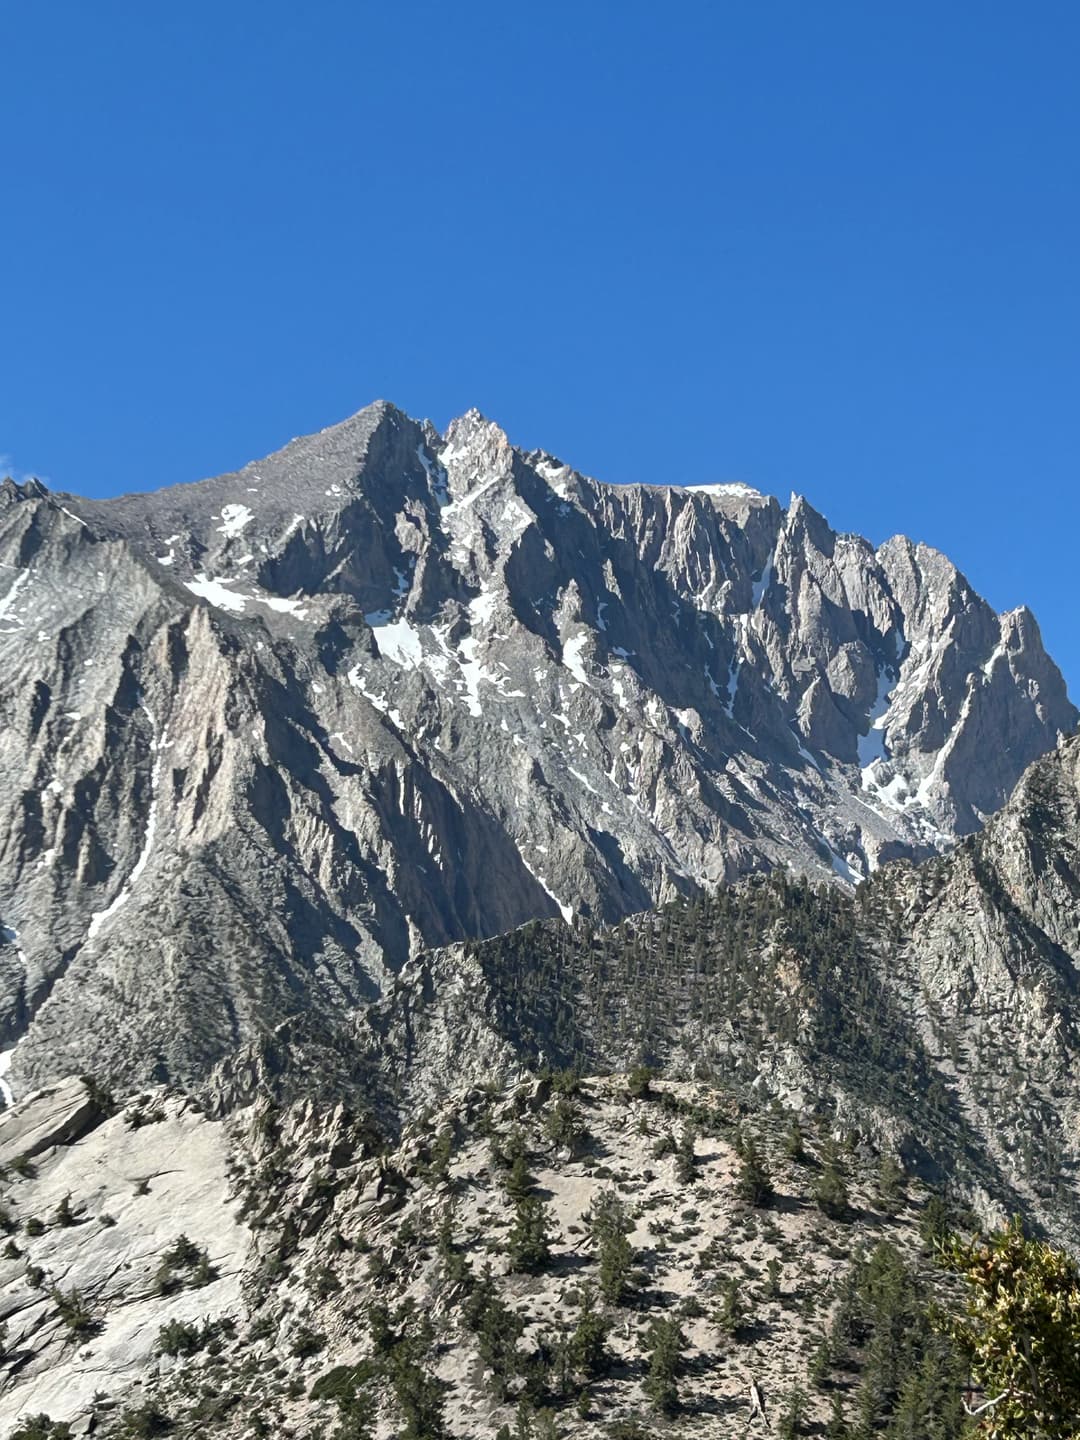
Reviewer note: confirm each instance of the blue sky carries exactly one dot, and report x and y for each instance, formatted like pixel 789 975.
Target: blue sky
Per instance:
pixel 830 248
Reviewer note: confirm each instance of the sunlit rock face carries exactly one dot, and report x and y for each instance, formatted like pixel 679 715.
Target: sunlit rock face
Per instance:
pixel 269 735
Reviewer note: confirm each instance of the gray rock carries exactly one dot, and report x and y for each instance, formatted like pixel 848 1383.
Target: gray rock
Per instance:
pixel 269 737
pixel 54 1116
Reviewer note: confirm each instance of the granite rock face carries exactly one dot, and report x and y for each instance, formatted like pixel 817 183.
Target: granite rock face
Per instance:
pixel 268 737
pixel 86 1286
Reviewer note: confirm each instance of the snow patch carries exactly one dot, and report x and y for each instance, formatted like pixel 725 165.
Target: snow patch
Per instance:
pixel 216 593
pixel 872 745
pixel 12 595
pixel 566 911
pixel 6 1092
pixel 571 656
pixel 398 641
pixel 473 495
pixel 727 487
pixel 436 476
pixel 842 868
pixel 482 607
pixel 380 702
pixel 234 518
pixel 278 602
pixel 472 672
pixel 584 781
pixel 805 753
pixel 997 654
pixel 761 586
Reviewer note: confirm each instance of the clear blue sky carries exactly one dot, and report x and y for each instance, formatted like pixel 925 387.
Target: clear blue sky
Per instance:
pixel 831 247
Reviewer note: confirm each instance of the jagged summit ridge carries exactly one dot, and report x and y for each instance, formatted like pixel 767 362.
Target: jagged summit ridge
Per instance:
pixel 268 735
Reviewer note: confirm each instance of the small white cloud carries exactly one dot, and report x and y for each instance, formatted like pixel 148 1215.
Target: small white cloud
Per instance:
pixel 8 467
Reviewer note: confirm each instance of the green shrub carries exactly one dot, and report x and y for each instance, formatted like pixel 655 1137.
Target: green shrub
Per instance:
pixel 40 1427
pixel 307 1342
pixel 144 1421
pixel 177 1337
pixel 75 1313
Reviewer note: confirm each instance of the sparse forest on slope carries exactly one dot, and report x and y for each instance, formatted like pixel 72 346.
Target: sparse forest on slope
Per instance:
pixel 619 1256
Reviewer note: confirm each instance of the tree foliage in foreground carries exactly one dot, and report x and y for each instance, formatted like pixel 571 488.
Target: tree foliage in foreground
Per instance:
pixel 1020 1334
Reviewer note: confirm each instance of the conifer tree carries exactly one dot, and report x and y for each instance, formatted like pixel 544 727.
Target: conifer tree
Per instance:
pixel 609 1227
pixel 753 1182
pixel 891 1186
pixel 587 1346
pixel 830 1191
pixel 665 1342
pixel 528 1243
pixel 685 1157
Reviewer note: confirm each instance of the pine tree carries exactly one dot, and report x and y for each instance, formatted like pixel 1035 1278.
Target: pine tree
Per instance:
pixel 442 1152
pixel 455 1263
pixel 685 1157
pixel 794 1146
pixel 891 1186
pixel 731 1311
pixel 773 1274
pixel 609 1227
pixel 587 1348
pixel 753 1182
pixel 497 1329
pixel 935 1223
pixel 528 1244
pixel 665 1342
pixel 518 1179
pixel 820 1364
pixel 419 1397
pixel 793 1414
pixel 837 1428
pixel 830 1192
pixel 563 1125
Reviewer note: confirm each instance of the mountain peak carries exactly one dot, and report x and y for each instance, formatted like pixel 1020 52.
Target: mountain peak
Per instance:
pixel 382 690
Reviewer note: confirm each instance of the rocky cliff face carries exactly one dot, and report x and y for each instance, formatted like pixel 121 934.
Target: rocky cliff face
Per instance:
pixel 269 736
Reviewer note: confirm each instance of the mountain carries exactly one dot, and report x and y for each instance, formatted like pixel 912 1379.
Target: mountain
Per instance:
pixel 410 1209
pixel 270 737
